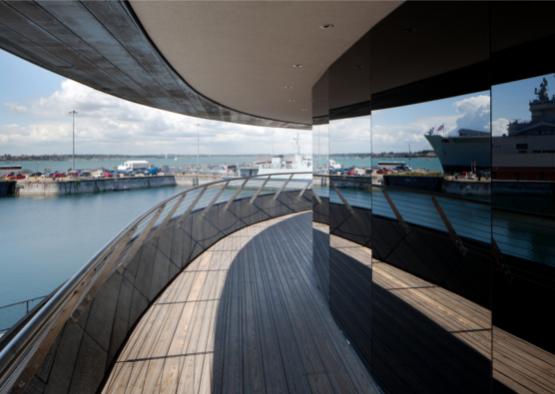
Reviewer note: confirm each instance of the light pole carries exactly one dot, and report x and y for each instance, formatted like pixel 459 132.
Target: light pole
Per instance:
pixel 198 149
pixel 73 154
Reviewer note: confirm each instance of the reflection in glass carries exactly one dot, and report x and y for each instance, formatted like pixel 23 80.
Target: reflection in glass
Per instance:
pixel 350 178
pixel 431 245
pixel 350 277
pixel 431 166
pixel 523 173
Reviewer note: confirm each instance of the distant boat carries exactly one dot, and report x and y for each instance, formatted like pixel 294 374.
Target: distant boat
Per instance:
pixel 333 165
pixel 278 164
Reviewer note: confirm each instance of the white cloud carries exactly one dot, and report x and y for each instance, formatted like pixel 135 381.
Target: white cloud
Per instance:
pixel 475 112
pixel 471 112
pixel 499 126
pixel 397 137
pixel 106 124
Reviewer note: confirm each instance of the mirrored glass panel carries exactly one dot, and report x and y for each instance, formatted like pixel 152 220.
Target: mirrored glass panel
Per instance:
pixel 350 229
pixel 320 184
pixel 431 230
pixel 523 170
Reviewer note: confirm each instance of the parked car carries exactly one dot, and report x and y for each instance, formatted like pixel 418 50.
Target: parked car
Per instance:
pixel 107 174
pixel 35 174
pixel 57 175
pixel 15 177
pixel 85 174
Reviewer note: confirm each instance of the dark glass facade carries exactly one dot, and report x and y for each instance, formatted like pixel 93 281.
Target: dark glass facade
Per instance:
pixel 434 153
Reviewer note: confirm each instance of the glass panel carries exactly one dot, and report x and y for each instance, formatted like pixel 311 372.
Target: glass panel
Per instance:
pixel 320 204
pixel 431 229
pixel 523 168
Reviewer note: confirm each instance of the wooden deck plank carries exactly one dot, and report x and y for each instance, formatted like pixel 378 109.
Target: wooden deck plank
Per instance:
pixel 245 316
pixel 330 342
pixel 274 372
pixel 518 364
pixel 254 375
pixel 293 358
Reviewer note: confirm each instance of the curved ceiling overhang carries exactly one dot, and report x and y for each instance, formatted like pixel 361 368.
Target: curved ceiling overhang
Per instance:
pixel 258 57
pixel 230 63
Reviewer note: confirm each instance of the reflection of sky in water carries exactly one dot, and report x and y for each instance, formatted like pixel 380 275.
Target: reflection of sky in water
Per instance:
pixel 516 234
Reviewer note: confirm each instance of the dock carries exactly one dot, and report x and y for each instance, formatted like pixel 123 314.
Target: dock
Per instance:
pixel 46 188
pixel 245 316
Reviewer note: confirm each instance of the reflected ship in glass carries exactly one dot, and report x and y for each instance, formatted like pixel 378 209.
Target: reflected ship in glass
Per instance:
pixel 469 150
pixel 525 152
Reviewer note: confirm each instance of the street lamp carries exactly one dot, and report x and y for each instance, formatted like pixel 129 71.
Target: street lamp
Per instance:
pixel 73 113
pixel 198 149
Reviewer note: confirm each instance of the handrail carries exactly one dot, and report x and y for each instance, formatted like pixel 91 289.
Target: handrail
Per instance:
pixel 27 304
pixel 27 301
pixel 23 355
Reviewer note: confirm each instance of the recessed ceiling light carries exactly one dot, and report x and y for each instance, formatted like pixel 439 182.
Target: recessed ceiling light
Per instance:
pixel 297 65
pixel 326 26
pixel 291 100
pixel 287 86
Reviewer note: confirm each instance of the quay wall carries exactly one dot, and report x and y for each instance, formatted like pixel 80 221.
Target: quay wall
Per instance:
pixel 58 188
pixel 466 188
pixel 194 180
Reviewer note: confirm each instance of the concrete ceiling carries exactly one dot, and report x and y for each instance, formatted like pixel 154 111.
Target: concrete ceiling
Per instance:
pixel 241 54
pixel 102 45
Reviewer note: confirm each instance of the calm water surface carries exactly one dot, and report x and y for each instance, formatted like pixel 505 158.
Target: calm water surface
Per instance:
pixel 46 240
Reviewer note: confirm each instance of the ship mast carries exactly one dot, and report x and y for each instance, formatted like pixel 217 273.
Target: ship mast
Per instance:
pixel 297 143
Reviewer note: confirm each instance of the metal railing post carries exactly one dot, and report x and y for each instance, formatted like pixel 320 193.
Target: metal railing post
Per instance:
pixel 192 205
pixel 255 196
pixel 282 188
pixel 169 216
pixel 344 200
pixel 450 229
pixel 316 196
pixel 237 192
pixel 214 199
pixel 303 190
pixel 396 212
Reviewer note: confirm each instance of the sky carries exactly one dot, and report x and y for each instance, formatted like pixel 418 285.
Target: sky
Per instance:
pixel 34 106
pixel 394 129
pixel 34 119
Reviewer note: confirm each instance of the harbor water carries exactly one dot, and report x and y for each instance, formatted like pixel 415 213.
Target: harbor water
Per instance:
pixel 46 240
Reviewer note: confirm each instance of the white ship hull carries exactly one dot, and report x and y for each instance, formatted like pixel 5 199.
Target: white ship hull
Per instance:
pixel 515 157
pixel 286 172
pixel 457 154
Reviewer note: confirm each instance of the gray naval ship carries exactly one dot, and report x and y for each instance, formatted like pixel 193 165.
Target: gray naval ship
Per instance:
pixel 525 152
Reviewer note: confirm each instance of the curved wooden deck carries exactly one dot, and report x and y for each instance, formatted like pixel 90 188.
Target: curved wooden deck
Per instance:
pixel 245 316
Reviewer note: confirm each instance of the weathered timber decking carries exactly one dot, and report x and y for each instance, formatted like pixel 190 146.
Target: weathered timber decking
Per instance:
pixel 245 316
pixel 517 364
